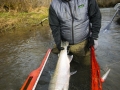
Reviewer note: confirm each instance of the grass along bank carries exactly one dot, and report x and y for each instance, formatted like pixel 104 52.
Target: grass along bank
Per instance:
pixel 17 20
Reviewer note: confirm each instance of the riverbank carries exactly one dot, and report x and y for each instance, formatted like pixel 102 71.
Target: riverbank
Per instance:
pixel 107 4
pixel 11 21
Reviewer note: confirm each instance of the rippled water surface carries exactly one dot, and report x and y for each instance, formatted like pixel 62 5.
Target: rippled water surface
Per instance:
pixel 108 52
pixel 20 53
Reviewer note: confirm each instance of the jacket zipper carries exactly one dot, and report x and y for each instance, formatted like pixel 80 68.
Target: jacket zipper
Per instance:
pixel 72 22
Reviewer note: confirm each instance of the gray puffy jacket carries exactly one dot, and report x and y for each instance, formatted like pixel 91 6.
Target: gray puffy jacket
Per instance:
pixel 69 21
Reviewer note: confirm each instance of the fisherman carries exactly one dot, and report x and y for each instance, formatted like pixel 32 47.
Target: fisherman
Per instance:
pixel 79 23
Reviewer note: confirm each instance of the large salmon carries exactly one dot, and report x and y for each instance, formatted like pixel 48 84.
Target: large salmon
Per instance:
pixel 61 75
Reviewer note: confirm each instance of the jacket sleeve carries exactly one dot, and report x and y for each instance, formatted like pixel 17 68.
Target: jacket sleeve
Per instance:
pixel 55 26
pixel 95 18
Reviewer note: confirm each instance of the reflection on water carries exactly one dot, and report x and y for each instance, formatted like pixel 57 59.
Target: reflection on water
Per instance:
pixel 20 53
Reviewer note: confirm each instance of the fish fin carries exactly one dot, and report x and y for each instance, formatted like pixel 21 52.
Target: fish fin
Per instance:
pixel 70 57
pixel 71 73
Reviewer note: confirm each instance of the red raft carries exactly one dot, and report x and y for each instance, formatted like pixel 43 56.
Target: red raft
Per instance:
pixel 33 78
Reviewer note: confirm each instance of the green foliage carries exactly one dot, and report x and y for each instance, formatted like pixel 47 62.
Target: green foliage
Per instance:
pixel 30 5
pixel 22 5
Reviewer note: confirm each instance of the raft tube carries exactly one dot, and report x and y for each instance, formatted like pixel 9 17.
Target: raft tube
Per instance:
pixel 32 80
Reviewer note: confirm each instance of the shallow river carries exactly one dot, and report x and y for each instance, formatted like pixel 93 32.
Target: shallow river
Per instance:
pixel 108 52
pixel 22 51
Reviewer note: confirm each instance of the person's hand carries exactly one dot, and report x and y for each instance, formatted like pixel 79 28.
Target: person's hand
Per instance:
pixel 56 49
pixel 60 48
pixel 95 44
pixel 92 42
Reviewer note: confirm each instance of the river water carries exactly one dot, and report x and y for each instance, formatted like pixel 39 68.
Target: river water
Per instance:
pixel 108 52
pixel 22 51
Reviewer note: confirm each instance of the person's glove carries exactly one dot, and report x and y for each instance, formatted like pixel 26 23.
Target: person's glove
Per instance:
pixel 92 42
pixel 60 48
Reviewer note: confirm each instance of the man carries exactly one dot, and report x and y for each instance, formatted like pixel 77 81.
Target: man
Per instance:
pixel 79 23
